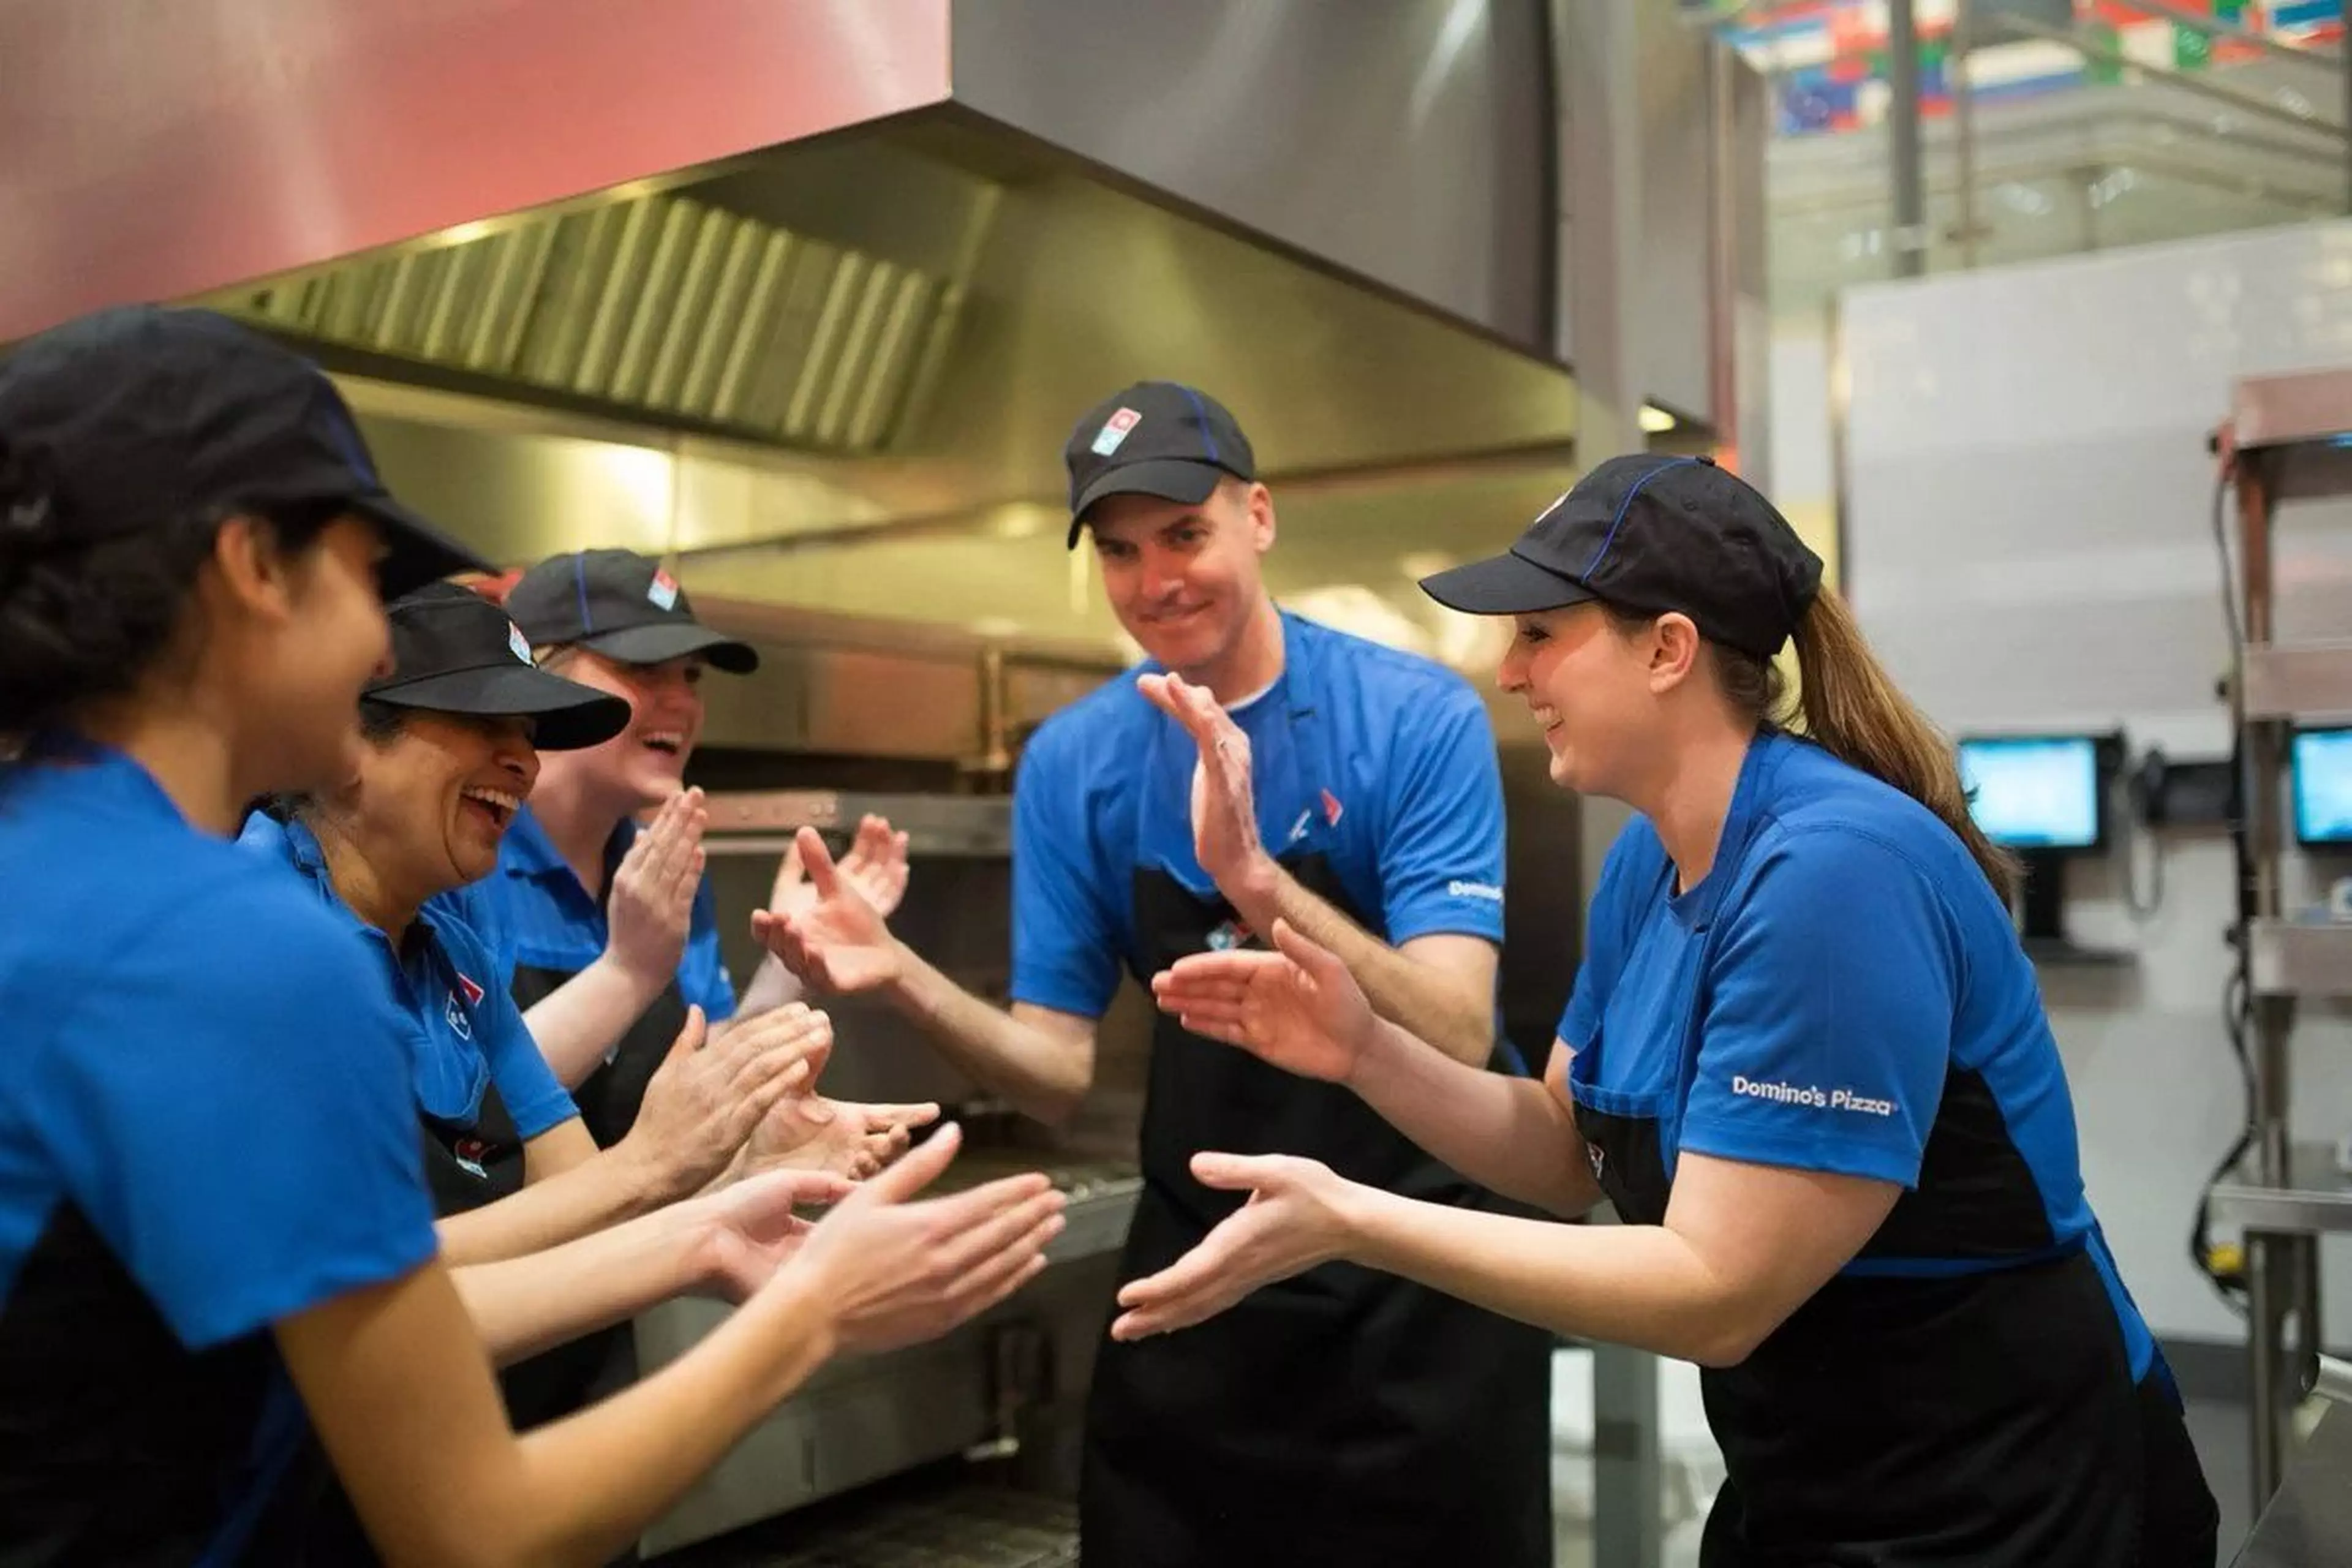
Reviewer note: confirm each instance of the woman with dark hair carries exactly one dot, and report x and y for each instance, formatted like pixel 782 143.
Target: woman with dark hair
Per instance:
pixel 1805 1059
pixel 450 738
pixel 214 1228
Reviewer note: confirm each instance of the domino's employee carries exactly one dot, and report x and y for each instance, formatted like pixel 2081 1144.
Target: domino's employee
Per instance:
pixel 1354 790
pixel 1805 1058
pixel 451 736
pixel 212 1223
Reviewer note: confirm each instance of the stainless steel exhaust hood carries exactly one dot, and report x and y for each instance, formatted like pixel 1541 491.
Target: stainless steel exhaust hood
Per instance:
pixel 835 368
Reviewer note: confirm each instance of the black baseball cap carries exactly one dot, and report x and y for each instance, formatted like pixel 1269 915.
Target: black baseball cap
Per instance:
pixel 452 651
pixel 1653 534
pixel 624 605
pixel 1154 439
pixel 123 419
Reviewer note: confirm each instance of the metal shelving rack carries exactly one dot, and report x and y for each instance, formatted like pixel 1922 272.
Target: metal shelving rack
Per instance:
pixel 2290 437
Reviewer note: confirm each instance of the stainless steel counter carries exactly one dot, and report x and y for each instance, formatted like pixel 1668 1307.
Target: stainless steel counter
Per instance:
pixel 2309 1521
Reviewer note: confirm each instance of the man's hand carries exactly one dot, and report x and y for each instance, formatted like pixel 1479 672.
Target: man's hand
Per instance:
pixel 754 1228
pixel 651 900
pixel 1224 806
pixel 837 943
pixel 875 866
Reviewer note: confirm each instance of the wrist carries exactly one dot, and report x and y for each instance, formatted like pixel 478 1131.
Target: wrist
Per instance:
pixel 643 981
pixel 1356 1212
pixel 795 1304
pixel 1255 889
pixel 1375 1059
pixel 653 1177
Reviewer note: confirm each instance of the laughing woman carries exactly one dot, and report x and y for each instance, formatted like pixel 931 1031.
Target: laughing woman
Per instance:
pixel 1805 1058
pixel 450 738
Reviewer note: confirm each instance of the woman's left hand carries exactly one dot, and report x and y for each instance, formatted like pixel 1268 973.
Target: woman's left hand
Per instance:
pixel 1296 1217
pixel 755 1229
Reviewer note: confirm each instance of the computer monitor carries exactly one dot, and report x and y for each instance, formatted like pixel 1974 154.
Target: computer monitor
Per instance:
pixel 2045 792
pixel 2320 768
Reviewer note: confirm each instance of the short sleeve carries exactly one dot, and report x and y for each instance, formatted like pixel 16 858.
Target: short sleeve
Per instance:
pixel 1065 942
pixel 1442 856
pixel 1830 1013
pixel 1630 877
pixel 231 1111
pixel 702 977
pixel 535 1101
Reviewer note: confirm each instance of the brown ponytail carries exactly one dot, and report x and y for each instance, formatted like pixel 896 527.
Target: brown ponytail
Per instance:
pixel 1845 703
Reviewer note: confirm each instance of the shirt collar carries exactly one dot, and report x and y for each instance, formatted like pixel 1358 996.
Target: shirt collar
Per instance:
pixel 292 841
pixel 528 851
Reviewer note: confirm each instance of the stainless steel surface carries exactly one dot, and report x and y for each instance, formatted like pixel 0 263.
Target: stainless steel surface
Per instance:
pixel 1964 134
pixel 1905 173
pixel 2315 1197
pixel 860 1420
pixel 2335 1380
pixel 2301 958
pixel 2299 681
pixel 945 1522
pixel 157 152
pixel 2309 1524
pixel 748 822
pixel 1394 140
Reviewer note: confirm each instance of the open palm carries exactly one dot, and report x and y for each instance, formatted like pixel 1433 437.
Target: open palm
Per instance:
pixel 1298 1008
pixel 836 941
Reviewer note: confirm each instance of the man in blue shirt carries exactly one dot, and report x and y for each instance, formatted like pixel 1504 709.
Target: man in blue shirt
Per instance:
pixel 1353 791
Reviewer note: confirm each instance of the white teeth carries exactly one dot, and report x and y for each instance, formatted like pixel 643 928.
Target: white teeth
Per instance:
pixel 675 738
pixel 506 805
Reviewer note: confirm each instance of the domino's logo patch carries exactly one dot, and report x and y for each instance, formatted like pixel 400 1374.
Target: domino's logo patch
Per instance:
pixel 663 591
pixel 459 1024
pixel 1113 431
pixel 517 644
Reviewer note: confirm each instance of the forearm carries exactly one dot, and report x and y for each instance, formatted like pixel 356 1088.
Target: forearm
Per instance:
pixel 1043 1077
pixel 1642 1286
pixel 524 1305
pixel 1509 1134
pixel 645 1446
pixel 612 1186
pixel 773 987
pixel 578 1022
pixel 1430 1004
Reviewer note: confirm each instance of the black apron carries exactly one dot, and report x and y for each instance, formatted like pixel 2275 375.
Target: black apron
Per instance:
pixel 1342 1416
pixel 574 1376
pixel 1988 1419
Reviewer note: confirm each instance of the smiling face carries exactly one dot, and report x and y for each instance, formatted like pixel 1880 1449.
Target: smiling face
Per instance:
pixel 1184 579
pixel 1594 687
pixel 645 764
pixel 433 801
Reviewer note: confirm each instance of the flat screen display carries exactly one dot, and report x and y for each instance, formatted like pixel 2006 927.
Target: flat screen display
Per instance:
pixel 2036 792
pixel 2322 770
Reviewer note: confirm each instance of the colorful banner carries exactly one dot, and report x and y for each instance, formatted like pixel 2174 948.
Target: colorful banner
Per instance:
pixel 1828 59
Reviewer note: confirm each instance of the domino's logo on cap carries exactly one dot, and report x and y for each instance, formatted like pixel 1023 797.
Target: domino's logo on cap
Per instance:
pixel 663 590
pixel 1113 431
pixel 517 643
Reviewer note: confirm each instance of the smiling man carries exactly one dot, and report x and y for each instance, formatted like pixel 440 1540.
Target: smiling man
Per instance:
pixel 1257 765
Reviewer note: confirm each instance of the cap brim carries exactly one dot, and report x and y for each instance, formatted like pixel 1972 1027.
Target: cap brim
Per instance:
pixel 417 553
pixel 666 640
pixel 1169 478
pixel 568 716
pixel 1504 584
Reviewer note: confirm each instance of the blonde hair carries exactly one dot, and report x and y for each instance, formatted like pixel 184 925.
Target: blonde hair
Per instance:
pixel 1846 703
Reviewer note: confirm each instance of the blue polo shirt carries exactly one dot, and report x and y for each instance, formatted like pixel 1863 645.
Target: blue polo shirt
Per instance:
pixel 203 1130
pixel 533 912
pixel 1378 760
pixel 1843 991
pixel 464 1031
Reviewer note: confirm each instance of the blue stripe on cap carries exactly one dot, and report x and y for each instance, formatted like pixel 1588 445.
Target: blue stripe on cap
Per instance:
pixel 580 582
pixel 1208 439
pixel 1633 490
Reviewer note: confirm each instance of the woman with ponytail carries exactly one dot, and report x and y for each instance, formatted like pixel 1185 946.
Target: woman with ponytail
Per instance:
pixel 1805 1058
